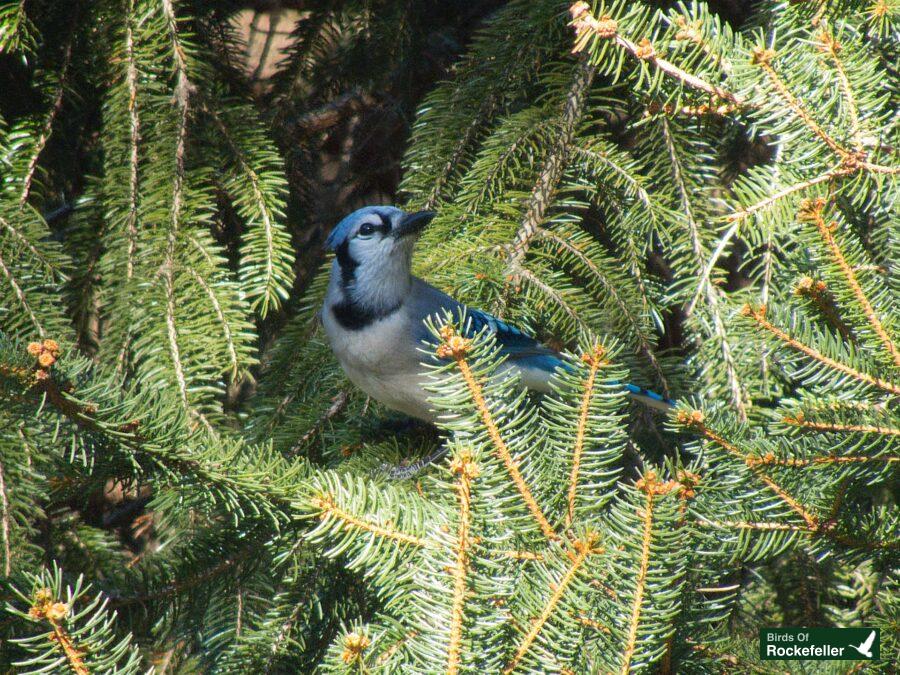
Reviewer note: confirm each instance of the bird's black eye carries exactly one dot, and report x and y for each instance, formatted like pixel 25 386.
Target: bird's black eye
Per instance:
pixel 366 230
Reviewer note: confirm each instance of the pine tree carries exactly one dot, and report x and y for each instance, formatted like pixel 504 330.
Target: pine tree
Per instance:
pixel 701 207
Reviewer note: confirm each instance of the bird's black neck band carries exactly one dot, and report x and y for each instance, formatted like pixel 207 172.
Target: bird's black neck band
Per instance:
pixel 353 316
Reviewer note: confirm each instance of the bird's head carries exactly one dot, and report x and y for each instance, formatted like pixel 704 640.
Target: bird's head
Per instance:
pixel 373 249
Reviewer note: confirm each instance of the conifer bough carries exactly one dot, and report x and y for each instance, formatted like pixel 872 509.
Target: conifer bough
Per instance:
pixel 702 205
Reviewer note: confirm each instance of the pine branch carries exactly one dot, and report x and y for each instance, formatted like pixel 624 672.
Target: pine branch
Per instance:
pixel 817 292
pixel 758 315
pixel 456 347
pixel 554 163
pixel 41 381
pixel 326 508
pixel 522 555
pixel 799 420
pixel 742 525
pixel 582 549
pixel 606 28
pixel 694 420
pixel 768 460
pixel 464 465
pixel 20 296
pixel 183 89
pixel 643 338
pixel 596 625
pixel 488 107
pixel 263 204
pixel 594 361
pixel 832 48
pixel 854 160
pixel 811 212
pixel 81 637
pixel 705 286
pixel 181 585
pixel 788 191
pixel 223 322
pixel 28 244
pixel 651 487
pixel 55 614
pixel 168 266
pixel 18 32
pixel 47 127
pixel 134 140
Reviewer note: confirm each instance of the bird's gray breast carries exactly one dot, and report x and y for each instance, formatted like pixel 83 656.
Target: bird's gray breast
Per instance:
pixel 382 359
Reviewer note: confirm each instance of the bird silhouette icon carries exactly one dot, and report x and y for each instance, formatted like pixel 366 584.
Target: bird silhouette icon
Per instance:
pixel 865 648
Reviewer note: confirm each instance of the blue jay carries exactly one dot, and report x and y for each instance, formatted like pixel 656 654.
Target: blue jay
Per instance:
pixel 375 310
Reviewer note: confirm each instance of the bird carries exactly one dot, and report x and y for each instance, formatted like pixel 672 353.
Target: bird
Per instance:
pixel 375 311
pixel 865 647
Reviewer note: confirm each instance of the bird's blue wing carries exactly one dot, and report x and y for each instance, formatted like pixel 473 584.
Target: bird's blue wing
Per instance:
pixel 527 353
pixel 535 361
pixel 514 344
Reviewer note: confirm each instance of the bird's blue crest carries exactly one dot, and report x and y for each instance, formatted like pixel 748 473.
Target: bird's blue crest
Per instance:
pixel 343 229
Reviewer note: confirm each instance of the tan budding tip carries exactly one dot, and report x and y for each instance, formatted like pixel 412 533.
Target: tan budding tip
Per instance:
pixel 690 418
pixel 762 56
pixel 645 50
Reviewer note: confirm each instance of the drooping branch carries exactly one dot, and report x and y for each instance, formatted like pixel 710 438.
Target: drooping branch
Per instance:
pixel 134 140
pixel 736 389
pixel 262 205
pixel 646 346
pixel 44 136
pixel 4 524
pixel 20 296
pixel 555 162
pixel 183 90
pixel 488 106
pixel 550 292
pixel 27 243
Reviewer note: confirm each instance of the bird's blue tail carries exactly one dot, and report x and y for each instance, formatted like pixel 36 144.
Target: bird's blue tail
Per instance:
pixel 649 398
pixel 546 364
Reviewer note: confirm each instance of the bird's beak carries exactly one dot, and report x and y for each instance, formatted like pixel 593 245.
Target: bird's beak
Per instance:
pixel 413 223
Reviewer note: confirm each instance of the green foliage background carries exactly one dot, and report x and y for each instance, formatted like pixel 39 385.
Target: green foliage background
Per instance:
pixel 696 199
